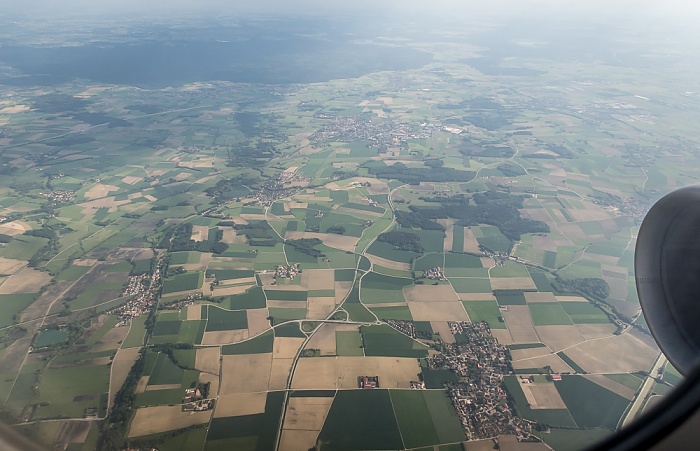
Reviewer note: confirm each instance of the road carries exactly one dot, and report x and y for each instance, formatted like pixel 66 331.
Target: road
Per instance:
pixel 638 403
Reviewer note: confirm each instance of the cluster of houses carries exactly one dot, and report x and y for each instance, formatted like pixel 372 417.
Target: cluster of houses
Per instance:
pixel 58 196
pixel 408 328
pixel 143 289
pixel 284 185
pixel 368 381
pixel 436 273
pixel 287 271
pixel 194 402
pixel 479 396
pixel 374 134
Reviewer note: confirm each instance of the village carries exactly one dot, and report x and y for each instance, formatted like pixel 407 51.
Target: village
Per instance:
pixel 374 134
pixel 287 271
pixel 435 274
pixel 143 289
pixel 479 396
pixel 284 185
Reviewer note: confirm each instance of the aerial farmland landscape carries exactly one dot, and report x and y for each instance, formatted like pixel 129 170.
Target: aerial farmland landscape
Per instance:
pixel 280 232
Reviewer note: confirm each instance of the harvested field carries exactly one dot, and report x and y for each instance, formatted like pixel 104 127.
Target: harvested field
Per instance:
pixel 241 281
pixel 14 228
pixel 240 404
pixel 213 380
pixel 324 337
pixel 592 331
pixel 142 384
pixel 111 339
pixel 359 213
pixel 286 347
pixel 99 190
pixel 10 266
pixel 559 337
pixel 470 242
pixel 162 387
pixel 85 262
pixel 253 217
pixel 204 163
pixel 615 387
pixel 328 373
pixel 121 365
pixel 298 440
pixel 477 296
pixel 220 337
pixel 487 262
pixel 449 231
pixel 513 283
pixel 557 364
pixel 230 236
pixel 207 360
pixel 503 336
pixel 430 293
pixel 391 264
pixel 106 202
pixel 320 308
pixel 199 233
pixel 287 304
pixel 245 373
pixel 230 290
pixel 319 279
pixel 131 180
pixel 342 242
pixel 519 354
pixel 438 311
pixel 28 280
pixel 71 432
pixel 376 186
pixel 531 296
pixel 194 312
pixel 441 328
pixel 341 290
pixel 519 323
pixel 543 396
pixel 570 298
pixel 152 420
pixel 279 374
pixel 617 354
pixel 257 321
pixel 307 413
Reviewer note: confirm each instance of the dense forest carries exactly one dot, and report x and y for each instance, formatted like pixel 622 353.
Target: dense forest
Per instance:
pixel 406 241
pixel 413 176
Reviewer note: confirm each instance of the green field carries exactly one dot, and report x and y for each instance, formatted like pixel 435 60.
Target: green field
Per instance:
pixel 258 345
pixel 219 319
pixel 185 257
pixel 348 343
pixel 361 419
pixel 485 311
pixel 69 391
pixel 551 417
pixel 585 313
pixel 137 333
pixel 590 404
pixel 251 299
pixel 165 372
pixel 183 282
pixel 384 341
pixel 548 314
pixel 12 305
pixel 283 295
pixel 573 439
pixel 400 313
pixel 414 419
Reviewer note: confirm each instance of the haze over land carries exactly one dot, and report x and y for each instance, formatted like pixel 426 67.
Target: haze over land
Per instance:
pixel 377 225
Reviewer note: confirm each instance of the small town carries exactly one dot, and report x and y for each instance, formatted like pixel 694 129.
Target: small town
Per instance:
pixel 374 134
pixel 479 396
pixel 284 185
pixel 143 289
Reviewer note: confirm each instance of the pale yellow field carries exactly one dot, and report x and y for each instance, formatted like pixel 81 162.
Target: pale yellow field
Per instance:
pixel 448 224
pixel 487 262
pixel 121 365
pixel 559 337
pixel 611 385
pixel 519 354
pixel 106 202
pixel 513 283
pixel 230 290
pixel 359 213
pixel 279 373
pixel 230 236
pixel 519 323
pixel 430 293
pixel 257 321
pixel 535 296
pixel 286 304
pixel 543 396
pixel 470 242
pixel 194 312
pixel 99 190
pixel 240 404
pixel 341 290
pixel 286 347
pixel 477 296
pixel 591 331
pixel 221 337
pixel 151 420
pixel 320 308
pixel 207 360
pixel 324 337
pixel 438 311
pixel 327 373
pixel 617 354
pixel 441 327
pixel 28 280
pixel 241 281
pixel 212 379
pixel 85 262
pixel 391 264
pixel 307 413
pixel 131 180
pixel 201 163
pixel 319 279
pixel 245 373
pixel 14 228
pixel 298 440
pixel 142 384
pixel 162 387
pixel 14 109
pixel 10 266
pixel 503 336
pixel 552 360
